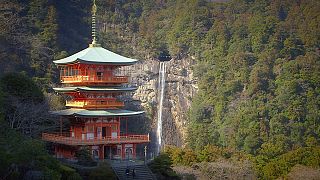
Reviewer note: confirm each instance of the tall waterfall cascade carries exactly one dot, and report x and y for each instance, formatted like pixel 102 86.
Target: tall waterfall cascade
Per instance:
pixel 161 87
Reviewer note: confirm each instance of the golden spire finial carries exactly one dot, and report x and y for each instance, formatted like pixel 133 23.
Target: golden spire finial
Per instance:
pixel 94 39
pixel 94 7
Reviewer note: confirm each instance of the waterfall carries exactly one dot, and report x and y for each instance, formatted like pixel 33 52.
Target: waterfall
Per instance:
pixel 161 85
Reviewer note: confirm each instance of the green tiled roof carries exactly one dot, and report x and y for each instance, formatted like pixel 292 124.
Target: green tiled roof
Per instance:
pixel 85 88
pixel 96 55
pixel 96 113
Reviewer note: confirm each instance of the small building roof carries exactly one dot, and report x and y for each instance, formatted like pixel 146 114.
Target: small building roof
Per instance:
pixel 96 55
pixel 95 113
pixel 100 89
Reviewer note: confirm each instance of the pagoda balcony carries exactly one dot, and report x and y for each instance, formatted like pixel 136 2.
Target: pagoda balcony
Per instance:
pixel 94 104
pixel 64 138
pixel 80 79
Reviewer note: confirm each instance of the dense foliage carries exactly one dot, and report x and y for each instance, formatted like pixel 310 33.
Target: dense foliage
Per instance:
pixel 20 155
pixel 280 166
pixel 259 79
pixel 23 88
pixel 31 37
pixel 209 153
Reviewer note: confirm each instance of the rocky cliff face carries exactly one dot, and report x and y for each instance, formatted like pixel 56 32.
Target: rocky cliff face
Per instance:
pixel 180 87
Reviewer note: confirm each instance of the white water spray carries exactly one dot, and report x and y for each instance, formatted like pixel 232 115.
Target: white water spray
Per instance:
pixel 161 85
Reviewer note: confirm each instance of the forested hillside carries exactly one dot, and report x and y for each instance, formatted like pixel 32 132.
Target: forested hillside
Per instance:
pixel 258 69
pixel 31 34
pixel 257 63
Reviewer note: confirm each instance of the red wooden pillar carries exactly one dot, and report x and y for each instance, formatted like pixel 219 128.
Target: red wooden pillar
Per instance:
pixel 134 151
pixel 60 125
pixel 101 152
pixel 123 153
pixel 126 126
pixel 119 126
pixel 110 152
pixel 79 70
pixel 56 151
pixel 101 128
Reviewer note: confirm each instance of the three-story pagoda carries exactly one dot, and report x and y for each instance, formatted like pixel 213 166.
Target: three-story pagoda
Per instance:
pixel 93 79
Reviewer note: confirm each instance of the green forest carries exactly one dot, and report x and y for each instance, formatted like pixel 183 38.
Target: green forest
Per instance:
pixel 257 63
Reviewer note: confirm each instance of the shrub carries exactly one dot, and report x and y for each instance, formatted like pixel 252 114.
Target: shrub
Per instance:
pixel 103 171
pixel 69 173
pixel 161 166
pixel 175 153
pixel 189 157
pixel 210 153
pixel 84 157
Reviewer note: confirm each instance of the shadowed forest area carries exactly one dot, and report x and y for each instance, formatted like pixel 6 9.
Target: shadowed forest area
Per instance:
pixel 257 65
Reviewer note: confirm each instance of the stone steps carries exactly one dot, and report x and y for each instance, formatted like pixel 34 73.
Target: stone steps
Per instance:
pixel 141 172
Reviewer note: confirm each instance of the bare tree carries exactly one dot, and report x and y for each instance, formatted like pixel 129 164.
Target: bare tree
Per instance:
pixel 30 118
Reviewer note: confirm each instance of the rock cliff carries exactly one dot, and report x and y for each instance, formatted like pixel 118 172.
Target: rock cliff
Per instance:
pixel 180 87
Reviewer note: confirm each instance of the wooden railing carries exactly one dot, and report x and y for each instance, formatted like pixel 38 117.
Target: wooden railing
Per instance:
pixel 94 79
pixel 94 104
pixel 66 139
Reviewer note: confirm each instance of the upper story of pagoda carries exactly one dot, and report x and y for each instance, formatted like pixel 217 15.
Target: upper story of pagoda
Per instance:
pixel 94 66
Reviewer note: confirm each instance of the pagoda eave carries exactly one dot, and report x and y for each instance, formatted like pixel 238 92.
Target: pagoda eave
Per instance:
pixel 94 89
pixel 96 55
pixel 96 113
pixel 84 61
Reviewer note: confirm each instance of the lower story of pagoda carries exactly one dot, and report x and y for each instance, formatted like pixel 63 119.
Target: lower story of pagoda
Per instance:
pixel 118 147
pixel 99 152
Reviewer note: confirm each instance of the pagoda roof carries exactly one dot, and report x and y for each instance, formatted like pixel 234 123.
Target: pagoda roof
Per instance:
pixel 96 113
pixel 96 55
pixel 85 88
